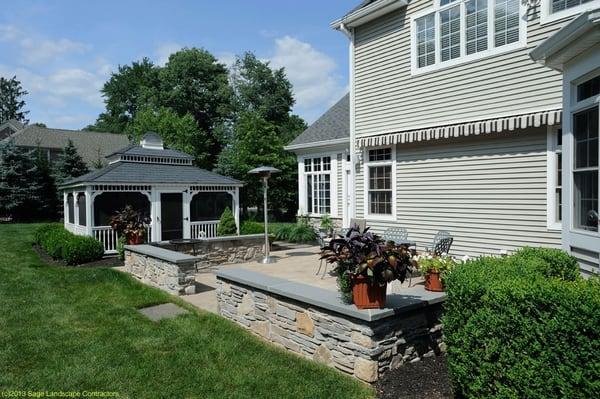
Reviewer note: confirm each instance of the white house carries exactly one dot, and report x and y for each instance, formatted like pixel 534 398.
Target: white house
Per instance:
pixel 183 201
pixel 453 126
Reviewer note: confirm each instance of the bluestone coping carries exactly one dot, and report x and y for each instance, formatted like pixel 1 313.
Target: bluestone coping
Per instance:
pixel 410 299
pixel 161 253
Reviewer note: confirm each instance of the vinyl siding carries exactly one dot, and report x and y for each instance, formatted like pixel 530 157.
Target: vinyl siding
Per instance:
pixel 389 99
pixel 488 191
pixel 339 184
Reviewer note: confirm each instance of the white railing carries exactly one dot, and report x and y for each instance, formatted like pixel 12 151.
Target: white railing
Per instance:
pixel 109 237
pixel 208 227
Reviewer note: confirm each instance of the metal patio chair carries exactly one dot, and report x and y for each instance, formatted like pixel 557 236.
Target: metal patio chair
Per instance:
pixel 396 234
pixel 442 242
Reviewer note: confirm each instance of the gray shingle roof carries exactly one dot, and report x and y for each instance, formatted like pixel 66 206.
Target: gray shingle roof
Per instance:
pixel 134 149
pixel 90 145
pixel 333 124
pixel 151 173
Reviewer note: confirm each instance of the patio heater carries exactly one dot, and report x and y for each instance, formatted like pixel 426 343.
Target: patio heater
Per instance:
pixel 264 172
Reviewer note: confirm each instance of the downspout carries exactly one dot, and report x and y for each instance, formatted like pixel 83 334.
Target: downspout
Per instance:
pixel 353 161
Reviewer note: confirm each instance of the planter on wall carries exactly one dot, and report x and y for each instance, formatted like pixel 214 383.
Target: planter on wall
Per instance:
pixel 135 239
pixel 366 295
pixel 433 282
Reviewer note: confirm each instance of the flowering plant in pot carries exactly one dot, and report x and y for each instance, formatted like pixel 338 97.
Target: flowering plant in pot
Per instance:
pixel 364 265
pixel 435 269
pixel 131 224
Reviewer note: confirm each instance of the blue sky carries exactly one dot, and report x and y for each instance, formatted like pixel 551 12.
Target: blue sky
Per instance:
pixel 63 51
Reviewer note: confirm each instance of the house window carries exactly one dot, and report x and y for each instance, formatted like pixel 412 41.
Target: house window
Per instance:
pixel 556 9
pixel 380 194
pixel 560 5
pixel 318 185
pixel 585 169
pixel 460 31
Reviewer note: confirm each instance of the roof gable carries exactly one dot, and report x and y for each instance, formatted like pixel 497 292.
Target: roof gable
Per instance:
pixel 332 125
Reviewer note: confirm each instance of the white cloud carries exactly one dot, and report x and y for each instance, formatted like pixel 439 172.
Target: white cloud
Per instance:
pixel 35 50
pixel 163 52
pixel 313 74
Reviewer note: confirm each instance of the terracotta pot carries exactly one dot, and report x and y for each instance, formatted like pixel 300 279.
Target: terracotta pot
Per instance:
pixel 433 282
pixel 366 295
pixel 134 239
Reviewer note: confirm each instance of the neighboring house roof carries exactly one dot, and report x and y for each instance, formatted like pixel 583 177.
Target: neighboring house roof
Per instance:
pixel 9 127
pixel 333 125
pixel 90 145
pixel 134 149
pixel 151 173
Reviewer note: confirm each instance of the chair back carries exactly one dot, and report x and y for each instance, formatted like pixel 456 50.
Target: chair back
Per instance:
pixel 396 234
pixel 442 241
pixel 320 236
pixel 360 223
pixel 343 231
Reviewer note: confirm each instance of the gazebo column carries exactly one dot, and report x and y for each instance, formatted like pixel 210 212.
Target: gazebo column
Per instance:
pixel 236 209
pixel 65 208
pixel 76 206
pixel 155 215
pixel 187 227
pixel 89 214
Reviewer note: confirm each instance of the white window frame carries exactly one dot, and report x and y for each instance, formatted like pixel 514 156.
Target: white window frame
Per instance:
pixel 546 16
pixel 366 165
pixel 576 107
pixel 552 165
pixel 302 179
pixel 491 50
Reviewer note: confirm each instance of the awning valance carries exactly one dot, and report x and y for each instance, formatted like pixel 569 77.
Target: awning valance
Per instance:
pixel 496 125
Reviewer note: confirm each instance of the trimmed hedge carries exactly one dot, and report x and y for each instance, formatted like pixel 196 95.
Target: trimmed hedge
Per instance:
pixel 524 326
pixel 62 244
pixel 290 232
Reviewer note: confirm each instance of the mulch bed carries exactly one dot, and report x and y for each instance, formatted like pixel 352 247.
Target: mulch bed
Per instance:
pixel 107 261
pixel 427 378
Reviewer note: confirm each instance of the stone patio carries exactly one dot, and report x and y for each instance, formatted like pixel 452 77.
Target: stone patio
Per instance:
pixel 297 263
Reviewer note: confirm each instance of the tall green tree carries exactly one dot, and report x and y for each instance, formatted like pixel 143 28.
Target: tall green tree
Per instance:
pixel 20 192
pixel 131 88
pixel 70 164
pixel 49 207
pixel 256 143
pixel 194 82
pixel 178 132
pixel 261 89
pixel 11 100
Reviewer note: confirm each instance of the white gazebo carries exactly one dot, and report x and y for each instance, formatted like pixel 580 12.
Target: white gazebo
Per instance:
pixel 183 201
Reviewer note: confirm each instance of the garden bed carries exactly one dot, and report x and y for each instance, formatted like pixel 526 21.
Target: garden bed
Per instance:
pixel 425 379
pixel 107 261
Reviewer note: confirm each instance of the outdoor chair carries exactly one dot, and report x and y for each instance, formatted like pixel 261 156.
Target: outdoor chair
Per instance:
pixel 360 223
pixel 442 241
pixel 320 235
pixel 396 234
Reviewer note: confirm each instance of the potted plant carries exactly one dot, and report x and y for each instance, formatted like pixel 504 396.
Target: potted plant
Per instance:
pixel 365 264
pixel 130 224
pixel 327 224
pixel 435 269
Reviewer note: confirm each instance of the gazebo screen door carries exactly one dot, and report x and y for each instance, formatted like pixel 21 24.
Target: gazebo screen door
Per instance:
pixel 171 209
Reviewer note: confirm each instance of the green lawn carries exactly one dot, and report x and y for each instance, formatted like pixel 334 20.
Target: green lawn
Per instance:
pixel 77 329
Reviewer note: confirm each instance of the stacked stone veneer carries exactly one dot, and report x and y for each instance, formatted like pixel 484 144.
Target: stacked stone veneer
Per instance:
pixel 174 278
pixel 362 349
pixel 220 250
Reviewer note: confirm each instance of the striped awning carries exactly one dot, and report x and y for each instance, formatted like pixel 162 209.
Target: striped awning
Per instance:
pixel 496 125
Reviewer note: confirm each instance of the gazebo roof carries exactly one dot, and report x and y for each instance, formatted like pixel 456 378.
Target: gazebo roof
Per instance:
pixel 152 173
pixel 150 163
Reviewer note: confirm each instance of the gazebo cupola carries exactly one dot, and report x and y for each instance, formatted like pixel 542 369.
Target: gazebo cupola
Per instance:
pixel 183 201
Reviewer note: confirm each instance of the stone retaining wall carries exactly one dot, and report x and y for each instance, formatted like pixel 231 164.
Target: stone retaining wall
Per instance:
pixel 362 349
pixel 219 250
pixel 176 279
